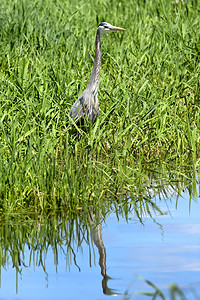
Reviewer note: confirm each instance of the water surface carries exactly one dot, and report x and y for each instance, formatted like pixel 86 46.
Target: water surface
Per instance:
pixel 164 249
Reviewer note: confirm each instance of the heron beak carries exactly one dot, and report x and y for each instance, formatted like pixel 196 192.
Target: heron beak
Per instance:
pixel 114 28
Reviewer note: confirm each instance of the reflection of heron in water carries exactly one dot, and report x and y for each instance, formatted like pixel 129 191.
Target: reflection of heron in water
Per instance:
pixel 96 227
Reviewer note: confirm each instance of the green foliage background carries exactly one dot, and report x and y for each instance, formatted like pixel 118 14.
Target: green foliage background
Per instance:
pixel 149 98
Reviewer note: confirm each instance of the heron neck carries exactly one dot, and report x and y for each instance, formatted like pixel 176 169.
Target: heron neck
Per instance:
pixel 94 78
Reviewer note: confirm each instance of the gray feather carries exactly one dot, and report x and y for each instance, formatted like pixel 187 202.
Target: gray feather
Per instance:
pixel 87 105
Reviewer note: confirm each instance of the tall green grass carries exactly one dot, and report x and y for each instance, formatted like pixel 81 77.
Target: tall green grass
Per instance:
pixel 149 98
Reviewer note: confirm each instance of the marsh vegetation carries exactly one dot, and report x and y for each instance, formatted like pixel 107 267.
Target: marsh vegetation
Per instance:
pixel 147 134
pixel 149 96
pixel 27 241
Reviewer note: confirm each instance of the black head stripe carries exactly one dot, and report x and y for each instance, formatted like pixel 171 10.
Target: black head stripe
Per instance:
pixel 102 24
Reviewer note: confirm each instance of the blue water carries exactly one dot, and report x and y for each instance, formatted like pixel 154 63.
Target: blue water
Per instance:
pixel 162 253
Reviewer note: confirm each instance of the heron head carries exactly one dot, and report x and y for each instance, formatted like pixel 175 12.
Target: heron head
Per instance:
pixel 105 27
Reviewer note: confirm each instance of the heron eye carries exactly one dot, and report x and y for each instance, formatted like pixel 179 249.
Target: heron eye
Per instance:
pixel 105 26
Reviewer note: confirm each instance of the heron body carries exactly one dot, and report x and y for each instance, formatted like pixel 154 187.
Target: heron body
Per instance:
pixel 87 105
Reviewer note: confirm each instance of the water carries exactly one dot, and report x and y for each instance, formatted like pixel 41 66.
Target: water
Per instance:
pixel 165 249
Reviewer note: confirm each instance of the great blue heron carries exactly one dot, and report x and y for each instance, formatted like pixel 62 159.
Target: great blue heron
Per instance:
pixel 87 105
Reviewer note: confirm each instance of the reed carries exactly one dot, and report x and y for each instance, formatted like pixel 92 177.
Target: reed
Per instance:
pixel 149 97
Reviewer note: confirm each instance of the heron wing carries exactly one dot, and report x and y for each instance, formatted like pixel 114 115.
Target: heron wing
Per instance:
pixel 79 108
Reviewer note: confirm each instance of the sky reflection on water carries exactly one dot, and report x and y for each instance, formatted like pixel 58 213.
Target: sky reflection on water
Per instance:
pixel 162 255
pixel 165 253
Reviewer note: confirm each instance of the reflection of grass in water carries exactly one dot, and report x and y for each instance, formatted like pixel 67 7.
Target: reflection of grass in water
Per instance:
pixel 25 240
pixel 149 96
pixel 65 230
pixel 175 293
